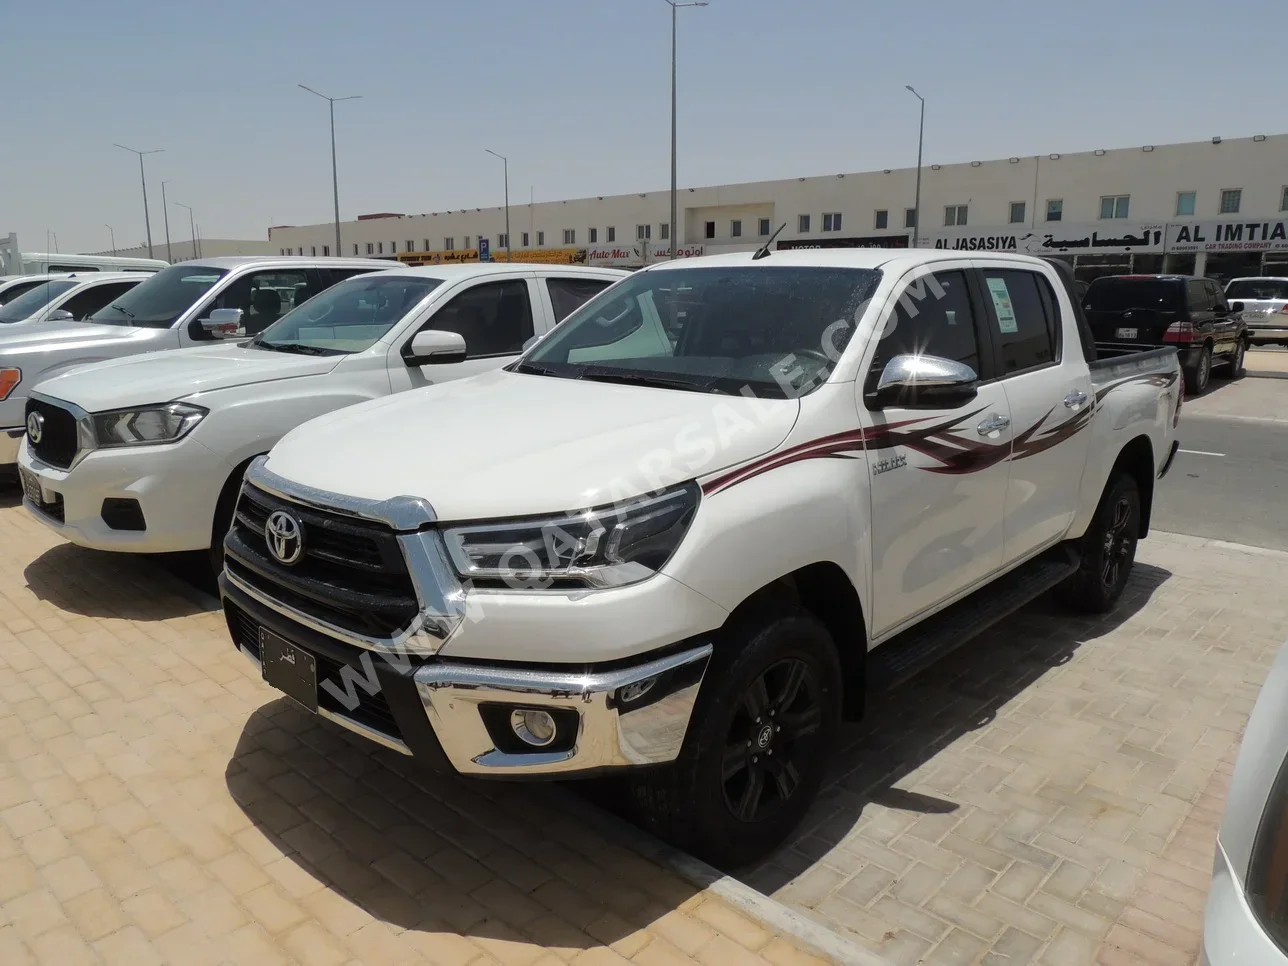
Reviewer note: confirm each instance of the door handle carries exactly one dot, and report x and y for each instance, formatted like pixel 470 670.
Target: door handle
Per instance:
pixel 1075 399
pixel 993 423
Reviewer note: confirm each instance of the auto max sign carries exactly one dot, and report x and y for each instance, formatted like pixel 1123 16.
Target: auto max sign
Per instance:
pixel 637 253
pixel 1057 240
pixel 1227 236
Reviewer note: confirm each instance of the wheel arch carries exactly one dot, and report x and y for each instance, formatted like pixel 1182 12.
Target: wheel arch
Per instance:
pixel 824 590
pixel 228 492
pixel 1137 460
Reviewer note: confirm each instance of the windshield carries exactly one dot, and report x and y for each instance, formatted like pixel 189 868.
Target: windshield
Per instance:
pixel 350 316
pixel 34 300
pixel 1258 288
pixel 770 331
pixel 1116 294
pixel 11 292
pixel 160 300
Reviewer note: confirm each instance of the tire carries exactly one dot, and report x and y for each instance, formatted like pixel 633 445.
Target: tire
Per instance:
pixel 725 798
pixel 224 510
pixel 1235 365
pixel 1199 375
pixel 1108 550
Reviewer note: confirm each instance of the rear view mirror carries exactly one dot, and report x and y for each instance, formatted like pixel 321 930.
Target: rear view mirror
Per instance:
pixel 222 324
pixel 435 347
pixel 928 382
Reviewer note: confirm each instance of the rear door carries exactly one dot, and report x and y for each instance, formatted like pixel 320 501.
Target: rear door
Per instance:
pixel 1134 309
pixel 1225 324
pixel 937 475
pixel 564 293
pixel 1048 389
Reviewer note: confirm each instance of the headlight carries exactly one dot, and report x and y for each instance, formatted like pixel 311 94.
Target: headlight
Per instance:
pixel 9 379
pixel 604 547
pixel 150 424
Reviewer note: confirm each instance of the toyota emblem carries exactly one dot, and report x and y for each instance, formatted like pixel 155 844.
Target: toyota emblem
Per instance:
pixel 35 427
pixel 285 537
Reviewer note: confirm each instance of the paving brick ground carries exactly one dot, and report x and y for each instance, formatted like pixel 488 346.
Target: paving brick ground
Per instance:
pixel 1050 793
pixel 160 804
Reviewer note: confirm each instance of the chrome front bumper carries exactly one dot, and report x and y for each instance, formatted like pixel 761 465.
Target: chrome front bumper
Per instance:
pixel 1267 333
pixel 10 439
pixel 635 716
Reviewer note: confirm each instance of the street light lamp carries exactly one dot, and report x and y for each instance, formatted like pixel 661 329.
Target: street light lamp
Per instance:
pixel 335 178
pixel 675 7
pixel 143 178
pixel 921 134
pixel 505 163
pixel 191 227
pixel 169 255
pixel 112 232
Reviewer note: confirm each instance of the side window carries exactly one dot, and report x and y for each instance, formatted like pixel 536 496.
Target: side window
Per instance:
pixel 495 318
pixel 13 291
pixel 933 317
pixel 1196 295
pixel 84 304
pixel 1024 331
pixel 1215 296
pixel 567 294
pixel 263 297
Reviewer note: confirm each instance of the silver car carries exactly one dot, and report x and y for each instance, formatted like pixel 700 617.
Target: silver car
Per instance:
pixel 1265 307
pixel 1247 911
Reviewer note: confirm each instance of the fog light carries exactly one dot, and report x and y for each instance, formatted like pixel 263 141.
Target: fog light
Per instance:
pixel 536 728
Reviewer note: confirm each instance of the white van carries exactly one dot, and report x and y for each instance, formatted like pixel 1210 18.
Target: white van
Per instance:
pixel 14 261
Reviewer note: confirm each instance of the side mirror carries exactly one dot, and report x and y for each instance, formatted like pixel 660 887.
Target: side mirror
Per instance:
pixel 60 315
pixel 530 343
pixel 222 324
pixel 928 382
pixel 435 347
pixel 1236 306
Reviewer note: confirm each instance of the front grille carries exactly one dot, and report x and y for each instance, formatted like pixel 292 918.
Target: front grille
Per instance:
pixel 57 446
pixel 372 710
pixel 352 573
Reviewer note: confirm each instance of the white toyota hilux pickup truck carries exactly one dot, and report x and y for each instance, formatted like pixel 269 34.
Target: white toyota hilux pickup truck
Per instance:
pixel 684 535
pixel 191 303
pixel 163 439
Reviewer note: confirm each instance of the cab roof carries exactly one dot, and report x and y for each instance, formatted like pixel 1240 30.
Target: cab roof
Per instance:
pixel 478 269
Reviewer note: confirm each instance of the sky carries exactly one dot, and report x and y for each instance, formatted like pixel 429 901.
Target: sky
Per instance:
pixel 577 94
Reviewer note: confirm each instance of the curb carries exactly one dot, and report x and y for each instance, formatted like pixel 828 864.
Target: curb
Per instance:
pixel 816 938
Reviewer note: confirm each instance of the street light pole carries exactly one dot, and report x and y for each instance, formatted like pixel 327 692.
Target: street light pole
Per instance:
pixel 335 177
pixel 147 221
pixel 192 227
pixel 169 255
pixel 505 163
pixel 675 7
pixel 921 134
pixel 113 235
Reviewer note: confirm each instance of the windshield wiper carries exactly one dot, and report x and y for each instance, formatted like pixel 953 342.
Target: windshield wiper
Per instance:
pixel 532 369
pixel 124 311
pixel 297 347
pixel 633 377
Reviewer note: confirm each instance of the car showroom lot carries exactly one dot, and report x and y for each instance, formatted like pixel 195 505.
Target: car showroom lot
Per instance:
pixel 159 804
pixel 1048 794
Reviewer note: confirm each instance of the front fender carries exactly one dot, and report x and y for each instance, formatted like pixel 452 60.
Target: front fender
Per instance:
pixel 752 533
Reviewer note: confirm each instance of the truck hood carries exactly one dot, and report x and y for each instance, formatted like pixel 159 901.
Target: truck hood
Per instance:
pixel 178 374
pixel 26 335
pixel 507 444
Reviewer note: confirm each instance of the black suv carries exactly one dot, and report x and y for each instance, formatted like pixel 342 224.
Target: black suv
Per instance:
pixel 1181 310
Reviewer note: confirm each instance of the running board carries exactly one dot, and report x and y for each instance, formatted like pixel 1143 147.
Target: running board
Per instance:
pixel 915 649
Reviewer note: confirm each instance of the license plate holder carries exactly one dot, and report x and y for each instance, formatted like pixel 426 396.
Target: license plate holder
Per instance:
pixel 1127 333
pixel 31 488
pixel 290 669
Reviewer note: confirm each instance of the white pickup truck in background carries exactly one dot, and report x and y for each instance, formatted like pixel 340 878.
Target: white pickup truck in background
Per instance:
pixel 168 310
pixel 167 436
pixel 684 535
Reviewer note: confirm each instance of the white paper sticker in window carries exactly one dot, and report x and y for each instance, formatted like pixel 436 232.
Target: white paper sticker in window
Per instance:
pixel 1002 305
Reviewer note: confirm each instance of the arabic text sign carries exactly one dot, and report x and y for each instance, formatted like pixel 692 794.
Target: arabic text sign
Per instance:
pixel 1102 237
pixel 1227 236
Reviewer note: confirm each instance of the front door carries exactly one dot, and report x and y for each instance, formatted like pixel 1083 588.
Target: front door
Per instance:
pixel 938 475
pixel 494 317
pixel 1048 390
